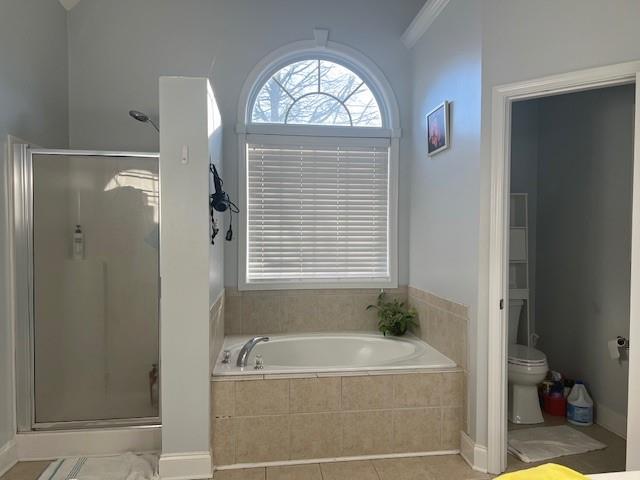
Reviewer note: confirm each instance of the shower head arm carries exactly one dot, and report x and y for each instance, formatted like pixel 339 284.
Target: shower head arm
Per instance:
pixel 154 125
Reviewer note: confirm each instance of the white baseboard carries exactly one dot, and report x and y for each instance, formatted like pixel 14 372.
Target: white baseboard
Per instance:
pixel 57 444
pixel 612 421
pixel 8 456
pixel 185 466
pixel 475 455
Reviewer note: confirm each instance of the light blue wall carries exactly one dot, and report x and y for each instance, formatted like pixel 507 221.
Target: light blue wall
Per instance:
pixel 517 40
pixel 443 223
pixel 524 40
pixel 524 179
pixel 573 155
pixel 444 188
pixel 118 48
pixel 585 173
pixel 33 106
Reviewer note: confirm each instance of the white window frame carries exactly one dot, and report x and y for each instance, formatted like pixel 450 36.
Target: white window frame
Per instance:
pixel 376 81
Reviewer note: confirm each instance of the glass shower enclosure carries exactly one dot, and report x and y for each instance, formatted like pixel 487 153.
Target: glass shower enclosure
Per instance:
pixel 87 285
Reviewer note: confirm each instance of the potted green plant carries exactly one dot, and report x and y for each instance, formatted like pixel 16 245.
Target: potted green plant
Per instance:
pixel 393 317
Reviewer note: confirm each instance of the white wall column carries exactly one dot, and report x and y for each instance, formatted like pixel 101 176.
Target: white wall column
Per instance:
pixel 184 270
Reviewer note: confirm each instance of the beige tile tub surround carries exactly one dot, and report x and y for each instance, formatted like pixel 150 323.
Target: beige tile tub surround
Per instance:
pixel 269 418
pixel 442 324
pixel 216 328
pixel 298 311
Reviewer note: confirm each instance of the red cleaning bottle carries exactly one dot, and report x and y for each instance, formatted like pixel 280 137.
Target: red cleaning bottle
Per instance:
pixel 555 404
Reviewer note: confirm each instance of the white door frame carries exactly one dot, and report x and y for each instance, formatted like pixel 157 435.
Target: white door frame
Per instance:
pixel 503 97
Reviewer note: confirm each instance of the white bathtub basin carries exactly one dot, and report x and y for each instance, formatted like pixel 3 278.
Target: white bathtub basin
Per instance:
pixel 330 352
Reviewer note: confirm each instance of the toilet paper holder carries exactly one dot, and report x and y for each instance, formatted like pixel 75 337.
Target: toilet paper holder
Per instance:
pixel 623 343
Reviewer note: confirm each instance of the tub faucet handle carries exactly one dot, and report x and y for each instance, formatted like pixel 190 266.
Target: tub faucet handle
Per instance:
pixel 226 356
pixel 259 362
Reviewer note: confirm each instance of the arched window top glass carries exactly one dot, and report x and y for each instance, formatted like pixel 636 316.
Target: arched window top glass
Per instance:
pixel 316 92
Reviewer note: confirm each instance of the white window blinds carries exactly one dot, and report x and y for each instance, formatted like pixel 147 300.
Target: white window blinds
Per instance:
pixel 318 209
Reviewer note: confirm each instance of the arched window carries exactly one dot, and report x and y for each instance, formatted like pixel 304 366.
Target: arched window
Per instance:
pixel 318 173
pixel 316 92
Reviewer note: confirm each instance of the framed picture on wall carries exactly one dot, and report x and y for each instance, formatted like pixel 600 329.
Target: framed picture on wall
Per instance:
pixel 438 129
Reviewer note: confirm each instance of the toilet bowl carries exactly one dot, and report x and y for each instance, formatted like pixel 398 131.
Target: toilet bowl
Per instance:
pixel 526 369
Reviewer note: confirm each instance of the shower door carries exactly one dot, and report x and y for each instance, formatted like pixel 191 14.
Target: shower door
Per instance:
pixel 91 225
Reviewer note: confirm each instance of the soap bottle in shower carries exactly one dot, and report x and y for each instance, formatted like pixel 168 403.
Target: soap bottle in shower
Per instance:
pixel 154 391
pixel 78 243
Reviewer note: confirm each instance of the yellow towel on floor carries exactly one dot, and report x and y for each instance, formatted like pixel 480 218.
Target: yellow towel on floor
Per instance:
pixel 550 471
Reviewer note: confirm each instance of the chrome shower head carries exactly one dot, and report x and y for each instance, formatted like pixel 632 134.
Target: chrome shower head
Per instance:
pixel 143 117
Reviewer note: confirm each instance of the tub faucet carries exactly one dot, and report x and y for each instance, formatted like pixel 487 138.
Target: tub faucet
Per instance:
pixel 243 355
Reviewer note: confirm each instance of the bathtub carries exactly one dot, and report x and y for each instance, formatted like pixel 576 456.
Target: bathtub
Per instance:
pixel 332 352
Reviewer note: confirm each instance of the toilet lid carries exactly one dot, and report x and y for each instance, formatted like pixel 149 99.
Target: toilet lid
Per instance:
pixel 523 355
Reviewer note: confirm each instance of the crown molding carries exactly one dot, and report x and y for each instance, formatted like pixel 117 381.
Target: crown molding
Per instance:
pixel 69 4
pixel 423 20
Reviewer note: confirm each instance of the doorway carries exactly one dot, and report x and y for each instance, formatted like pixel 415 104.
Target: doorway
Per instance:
pixel 569 276
pixel 504 103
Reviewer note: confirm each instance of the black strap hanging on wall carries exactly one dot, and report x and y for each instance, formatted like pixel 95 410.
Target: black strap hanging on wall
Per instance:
pixel 219 201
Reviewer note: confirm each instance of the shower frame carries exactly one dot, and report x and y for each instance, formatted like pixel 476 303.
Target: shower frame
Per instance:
pixel 24 288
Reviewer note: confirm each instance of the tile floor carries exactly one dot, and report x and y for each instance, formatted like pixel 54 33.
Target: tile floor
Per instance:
pixel 611 459
pixel 449 467
pixel 25 471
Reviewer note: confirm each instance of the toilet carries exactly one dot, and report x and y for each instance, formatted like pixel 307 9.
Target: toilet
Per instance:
pixel 526 369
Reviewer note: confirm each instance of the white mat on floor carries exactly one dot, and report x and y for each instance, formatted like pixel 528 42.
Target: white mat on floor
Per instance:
pixel 114 467
pixel 543 443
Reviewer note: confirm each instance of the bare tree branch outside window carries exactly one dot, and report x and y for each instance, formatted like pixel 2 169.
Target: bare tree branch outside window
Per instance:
pixel 316 92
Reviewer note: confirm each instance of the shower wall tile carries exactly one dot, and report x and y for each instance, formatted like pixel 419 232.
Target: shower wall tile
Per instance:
pixel 299 311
